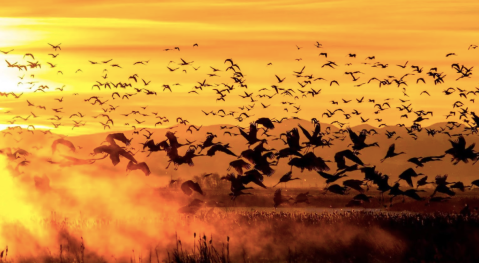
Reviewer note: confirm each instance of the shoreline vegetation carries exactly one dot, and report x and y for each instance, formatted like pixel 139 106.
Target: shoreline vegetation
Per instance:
pixel 339 236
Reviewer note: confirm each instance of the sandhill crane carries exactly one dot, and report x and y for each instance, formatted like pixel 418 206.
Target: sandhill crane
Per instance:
pixel 340 160
pixel 138 166
pixel 279 199
pixel 114 151
pixel 189 186
pixel 302 198
pixel 391 152
pixel 330 178
pixel 62 141
pixel 310 162
pixel 459 151
pixel 422 182
pixel 337 189
pixel 358 140
pixel 286 178
pixel 354 184
pixel 110 138
pixel 406 176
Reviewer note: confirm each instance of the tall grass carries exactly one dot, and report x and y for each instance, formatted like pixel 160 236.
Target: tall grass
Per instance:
pixel 340 236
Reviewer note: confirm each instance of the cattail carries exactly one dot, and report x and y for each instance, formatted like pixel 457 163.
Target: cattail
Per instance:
pixel 82 251
pixel 228 249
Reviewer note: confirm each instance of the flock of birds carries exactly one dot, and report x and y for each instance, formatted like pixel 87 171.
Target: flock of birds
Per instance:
pixel 255 162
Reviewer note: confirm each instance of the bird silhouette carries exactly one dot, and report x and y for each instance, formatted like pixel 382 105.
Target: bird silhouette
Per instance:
pixel 302 198
pixel 218 147
pixel 460 153
pixel 391 152
pixel 138 166
pixel 358 140
pixel 340 159
pixel 354 184
pixel 251 136
pixel 310 162
pixel 189 186
pixel 278 199
pixel 114 151
pixel 64 142
pixel 336 189
pixel 330 178
pixel 406 176
pixel 422 181
pixel 286 178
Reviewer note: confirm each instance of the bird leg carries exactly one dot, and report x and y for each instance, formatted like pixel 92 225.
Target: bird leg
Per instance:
pixel 307 149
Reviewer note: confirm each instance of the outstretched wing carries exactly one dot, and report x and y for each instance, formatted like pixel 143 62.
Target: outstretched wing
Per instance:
pixel 172 138
pixel 196 187
pixel 239 165
pixel 341 162
pixel 391 149
pixel 325 175
pixel 253 130
pixel 185 187
pixel 353 157
pixel 252 176
pixel 117 136
pixel 245 135
pixel 317 129
pixel 354 137
pixel 150 144
pixel 127 155
pixel 306 133
pixel 144 168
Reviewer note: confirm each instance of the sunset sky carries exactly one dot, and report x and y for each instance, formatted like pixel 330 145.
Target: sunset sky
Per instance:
pixel 252 33
pixel 110 41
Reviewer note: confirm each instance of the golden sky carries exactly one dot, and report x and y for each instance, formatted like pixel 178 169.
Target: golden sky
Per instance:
pixel 252 33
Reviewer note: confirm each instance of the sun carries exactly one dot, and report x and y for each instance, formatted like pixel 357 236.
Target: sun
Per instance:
pixel 8 81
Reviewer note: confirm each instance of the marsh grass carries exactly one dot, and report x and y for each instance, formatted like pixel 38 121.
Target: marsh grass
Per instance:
pixel 439 233
pixel 355 236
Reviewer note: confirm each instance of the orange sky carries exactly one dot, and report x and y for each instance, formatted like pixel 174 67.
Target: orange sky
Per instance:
pixel 252 34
